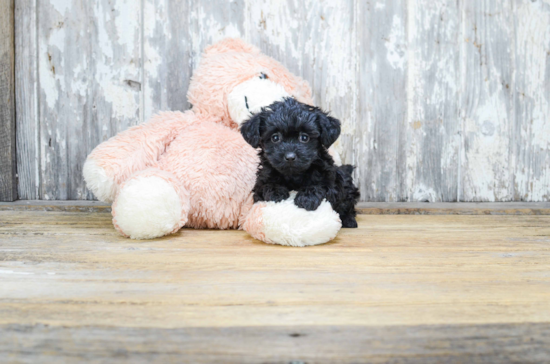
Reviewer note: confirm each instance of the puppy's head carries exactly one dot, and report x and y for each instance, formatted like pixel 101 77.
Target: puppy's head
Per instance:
pixel 291 134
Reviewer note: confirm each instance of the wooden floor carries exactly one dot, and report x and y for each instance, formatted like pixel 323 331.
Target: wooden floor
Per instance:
pixel 401 288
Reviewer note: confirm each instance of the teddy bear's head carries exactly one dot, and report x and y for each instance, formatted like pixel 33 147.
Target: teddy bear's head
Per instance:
pixel 234 80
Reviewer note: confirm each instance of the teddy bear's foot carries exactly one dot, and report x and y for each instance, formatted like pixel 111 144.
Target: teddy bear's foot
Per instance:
pixel 98 181
pixel 150 204
pixel 285 223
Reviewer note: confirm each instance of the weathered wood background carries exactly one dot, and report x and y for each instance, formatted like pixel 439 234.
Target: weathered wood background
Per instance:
pixel 8 181
pixel 441 100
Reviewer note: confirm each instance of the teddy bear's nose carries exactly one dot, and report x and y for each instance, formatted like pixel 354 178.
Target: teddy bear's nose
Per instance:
pixel 290 156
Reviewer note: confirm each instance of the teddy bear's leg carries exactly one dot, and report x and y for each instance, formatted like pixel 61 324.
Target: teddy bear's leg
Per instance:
pixel 285 223
pixel 150 204
pixel 131 151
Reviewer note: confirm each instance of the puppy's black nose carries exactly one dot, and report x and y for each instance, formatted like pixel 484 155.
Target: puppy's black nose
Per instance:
pixel 291 157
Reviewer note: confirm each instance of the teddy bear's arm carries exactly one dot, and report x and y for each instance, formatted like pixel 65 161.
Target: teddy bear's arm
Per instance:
pixel 130 151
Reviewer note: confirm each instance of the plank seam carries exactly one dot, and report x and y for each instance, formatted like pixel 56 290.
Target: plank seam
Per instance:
pixel 142 66
pixel 370 208
pixel 8 158
pixel 355 97
pixel 461 83
pixel 38 135
pixel 512 152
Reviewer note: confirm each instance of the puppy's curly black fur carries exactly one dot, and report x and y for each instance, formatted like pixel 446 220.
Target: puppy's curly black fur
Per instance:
pixel 294 138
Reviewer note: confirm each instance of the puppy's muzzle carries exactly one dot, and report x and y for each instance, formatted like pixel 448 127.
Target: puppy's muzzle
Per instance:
pixel 290 157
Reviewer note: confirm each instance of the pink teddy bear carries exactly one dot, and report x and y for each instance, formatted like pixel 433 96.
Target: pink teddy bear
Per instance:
pixel 194 169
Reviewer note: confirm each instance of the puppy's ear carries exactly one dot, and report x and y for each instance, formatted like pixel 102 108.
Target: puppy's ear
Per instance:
pixel 250 129
pixel 330 128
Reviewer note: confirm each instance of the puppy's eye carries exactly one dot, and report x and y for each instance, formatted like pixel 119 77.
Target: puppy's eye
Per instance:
pixel 263 76
pixel 276 138
pixel 304 138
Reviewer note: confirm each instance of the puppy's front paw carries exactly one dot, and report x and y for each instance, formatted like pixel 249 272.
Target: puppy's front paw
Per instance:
pixel 348 221
pixel 307 201
pixel 276 194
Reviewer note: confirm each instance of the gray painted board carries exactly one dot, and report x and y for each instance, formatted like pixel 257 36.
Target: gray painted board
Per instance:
pixel 487 100
pixel 440 100
pixel 166 56
pixel 26 88
pixel 427 344
pixel 369 208
pixel 380 140
pixel 432 128
pixel 8 179
pixel 89 60
pixel 530 133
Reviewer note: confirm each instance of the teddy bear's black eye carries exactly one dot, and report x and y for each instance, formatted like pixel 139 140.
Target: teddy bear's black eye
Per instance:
pixel 304 138
pixel 276 138
pixel 263 76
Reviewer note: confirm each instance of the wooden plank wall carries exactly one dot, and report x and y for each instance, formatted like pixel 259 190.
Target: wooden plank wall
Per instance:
pixel 441 100
pixel 8 182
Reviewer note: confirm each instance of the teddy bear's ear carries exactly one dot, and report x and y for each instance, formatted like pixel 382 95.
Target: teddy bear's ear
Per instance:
pixel 231 45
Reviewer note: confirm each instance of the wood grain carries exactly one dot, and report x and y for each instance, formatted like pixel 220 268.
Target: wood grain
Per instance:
pixel 89 63
pixel 440 100
pixel 452 208
pixel 211 21
pixel 8 178
pixel 380 140
pixel 167 66
pixel 500 343
pixel 530 135
pixel 410 287
pixel 370 208
pixel 487 101
pixel 48 205
pixel 26 88
pixel 433 127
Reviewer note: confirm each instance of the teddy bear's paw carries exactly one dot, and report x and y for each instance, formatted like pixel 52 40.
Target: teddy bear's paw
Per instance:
pixel 285 223
pixel 149 207
pixel 98 181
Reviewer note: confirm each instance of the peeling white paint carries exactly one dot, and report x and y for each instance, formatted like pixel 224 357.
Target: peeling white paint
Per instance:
pixel 122 100
pixel 50 80
pixel 128 25
pixel 154 61
pixel 482 65
pixel 433 141
pixel 48 83
pixel 532 171
pixel 61 6
pixel 396 44
pixel 534 35
pixel 211 31
pixel 14 272
pixel 104 38
pixel 424 193
pixel 486 154
pixel 276 21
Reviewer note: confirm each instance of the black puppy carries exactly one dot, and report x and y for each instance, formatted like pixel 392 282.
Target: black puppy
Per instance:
pixel 294 139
